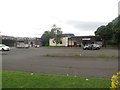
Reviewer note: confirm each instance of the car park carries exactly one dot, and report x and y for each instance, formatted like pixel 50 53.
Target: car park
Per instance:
pixel 92 47
pixel 4 47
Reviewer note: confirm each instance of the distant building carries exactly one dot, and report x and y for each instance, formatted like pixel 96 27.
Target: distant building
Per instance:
pixel 67 35
pixel 63 42
pixel 31 42
pixel 8 37
pixel 7 40
pixel 78 41
pixel 37 42
pixel 73 41
pixel 22 43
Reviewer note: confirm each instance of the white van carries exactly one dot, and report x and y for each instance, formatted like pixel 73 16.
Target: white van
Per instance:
pixel 22 44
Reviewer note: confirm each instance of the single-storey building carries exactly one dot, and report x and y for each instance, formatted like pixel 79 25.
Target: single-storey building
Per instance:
pixel 73 41
pixel 78 41
pixel 63 41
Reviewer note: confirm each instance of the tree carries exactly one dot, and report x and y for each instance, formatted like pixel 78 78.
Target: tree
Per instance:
pixel 105 33
pixel 101 34
pixel 110 32
pixel 45 38
pixel 55 33
pixel 9 42
pixel 116 30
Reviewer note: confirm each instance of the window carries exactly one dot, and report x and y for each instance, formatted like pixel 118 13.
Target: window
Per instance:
pixel 53 41
pixel 60 41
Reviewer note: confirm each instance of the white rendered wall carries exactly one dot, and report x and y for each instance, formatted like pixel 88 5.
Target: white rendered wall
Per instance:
pixel 64 42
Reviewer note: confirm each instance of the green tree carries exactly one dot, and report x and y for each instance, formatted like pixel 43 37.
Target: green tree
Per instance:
pixel 55 33
pixel 116 30
pixel 101 34
pixel 105 33
pixel 9 42
pixel 45 38
pixel 110 32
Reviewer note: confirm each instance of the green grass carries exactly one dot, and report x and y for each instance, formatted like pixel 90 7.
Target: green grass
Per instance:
pixel 105 56
pixel 13 79
pixel 0 79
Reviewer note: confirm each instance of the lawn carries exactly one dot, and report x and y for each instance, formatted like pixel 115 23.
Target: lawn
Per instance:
pixel 15 79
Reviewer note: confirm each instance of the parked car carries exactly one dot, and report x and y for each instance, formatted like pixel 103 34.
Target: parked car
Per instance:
pixel 91 47
pixel 37 46
pixel 4 47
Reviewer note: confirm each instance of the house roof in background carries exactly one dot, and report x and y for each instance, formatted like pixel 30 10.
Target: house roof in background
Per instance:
pixel 83 37
pixel 67 35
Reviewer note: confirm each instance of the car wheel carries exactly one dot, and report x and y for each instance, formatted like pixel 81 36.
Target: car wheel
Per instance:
pixel 2 49
pixel 8 50
pixel 97 48
pixel 84 48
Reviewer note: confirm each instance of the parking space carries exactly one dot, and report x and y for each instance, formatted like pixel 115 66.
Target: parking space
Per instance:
pixel 37 60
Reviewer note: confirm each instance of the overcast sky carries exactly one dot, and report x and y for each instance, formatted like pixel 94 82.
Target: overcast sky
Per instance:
pixel 30 18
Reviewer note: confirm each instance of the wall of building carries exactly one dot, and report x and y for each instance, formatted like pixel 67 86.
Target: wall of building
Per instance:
pixel 64 41
pixel 76 41
pixel 79 41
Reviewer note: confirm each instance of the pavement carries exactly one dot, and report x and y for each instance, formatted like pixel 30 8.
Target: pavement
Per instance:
pixel 36 60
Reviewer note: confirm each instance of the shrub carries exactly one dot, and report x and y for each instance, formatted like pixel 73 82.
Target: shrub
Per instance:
pixel 115 81
pixel 8 42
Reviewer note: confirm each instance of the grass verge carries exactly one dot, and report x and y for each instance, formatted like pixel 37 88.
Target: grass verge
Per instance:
pixel 14 79
pixel 81 56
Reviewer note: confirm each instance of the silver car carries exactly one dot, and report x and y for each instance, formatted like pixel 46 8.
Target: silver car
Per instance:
pixel 91 47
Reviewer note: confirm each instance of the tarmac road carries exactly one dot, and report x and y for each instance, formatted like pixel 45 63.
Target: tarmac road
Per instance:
pixel 33 60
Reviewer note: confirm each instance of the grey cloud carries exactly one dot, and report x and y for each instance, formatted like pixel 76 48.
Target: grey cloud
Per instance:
pixel 86 25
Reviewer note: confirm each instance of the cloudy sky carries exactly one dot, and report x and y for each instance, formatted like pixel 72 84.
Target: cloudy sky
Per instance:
pixel 30 18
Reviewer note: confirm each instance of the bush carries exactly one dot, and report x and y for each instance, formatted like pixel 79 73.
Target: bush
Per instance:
pixel 111 44
pixel 8 42
pixel 115 84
